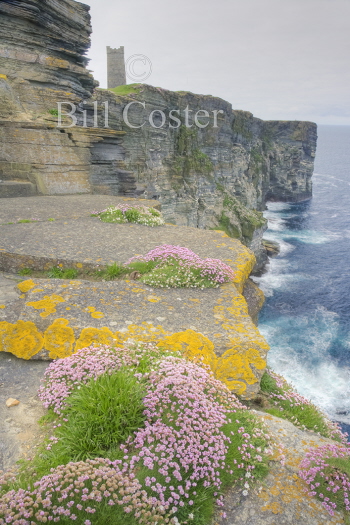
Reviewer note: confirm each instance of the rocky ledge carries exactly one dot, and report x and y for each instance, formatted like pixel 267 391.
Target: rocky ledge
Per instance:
pixel 213 171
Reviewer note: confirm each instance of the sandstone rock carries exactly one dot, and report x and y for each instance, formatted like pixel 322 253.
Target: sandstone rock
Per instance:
pixel 272 248
pixel 11 402
pixel 219 176
pixel 43 43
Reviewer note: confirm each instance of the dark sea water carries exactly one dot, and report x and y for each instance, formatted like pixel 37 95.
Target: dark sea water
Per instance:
pixel 306 317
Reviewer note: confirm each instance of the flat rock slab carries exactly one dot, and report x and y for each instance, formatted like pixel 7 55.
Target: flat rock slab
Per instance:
pixel 19 428
pixel 92 243
pixel 281 499
pixel 54 318
pixel 46 207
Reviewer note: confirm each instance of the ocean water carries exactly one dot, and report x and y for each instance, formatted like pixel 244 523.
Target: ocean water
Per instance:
pixel 306 317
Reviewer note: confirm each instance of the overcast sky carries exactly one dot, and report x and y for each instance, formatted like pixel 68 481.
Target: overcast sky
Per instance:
pixel 279 59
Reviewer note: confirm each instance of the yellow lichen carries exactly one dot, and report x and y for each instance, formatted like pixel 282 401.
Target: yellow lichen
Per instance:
pixel 97 315
pixel 59 339
pixel 27 285
pixel 274 507
pixel 144 332
pixel 22 339
pixel 235 364
pixel 2 306
pixel 193 345
pixel 153 298
pixel 48 303
pixel 56 62
pixel 95 336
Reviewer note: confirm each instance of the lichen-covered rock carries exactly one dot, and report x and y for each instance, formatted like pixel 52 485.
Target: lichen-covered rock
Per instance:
pixel 54 318
pixel 281 498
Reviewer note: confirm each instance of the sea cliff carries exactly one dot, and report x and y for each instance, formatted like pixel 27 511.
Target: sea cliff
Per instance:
pixel 214 176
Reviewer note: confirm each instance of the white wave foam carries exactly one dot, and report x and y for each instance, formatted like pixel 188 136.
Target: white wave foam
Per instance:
pixel 276 224
pixel 304 359
pixel 279 274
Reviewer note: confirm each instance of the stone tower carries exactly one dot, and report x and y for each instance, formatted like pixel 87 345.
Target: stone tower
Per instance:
pixel 115 67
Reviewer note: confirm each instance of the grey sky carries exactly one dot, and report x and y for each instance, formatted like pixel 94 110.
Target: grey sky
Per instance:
pixel 279 59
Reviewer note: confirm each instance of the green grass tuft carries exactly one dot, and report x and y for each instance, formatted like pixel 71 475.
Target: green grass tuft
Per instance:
pixel 142 267
pixel 112 271
pixel 25 271
pixel 62 273
pixel 101 415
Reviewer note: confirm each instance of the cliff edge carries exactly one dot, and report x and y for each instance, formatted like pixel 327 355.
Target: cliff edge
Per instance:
pixel 207 172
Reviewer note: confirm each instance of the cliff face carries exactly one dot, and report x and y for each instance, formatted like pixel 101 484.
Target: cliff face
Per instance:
pixel 42 48
pixel 218 176
pixel 214 176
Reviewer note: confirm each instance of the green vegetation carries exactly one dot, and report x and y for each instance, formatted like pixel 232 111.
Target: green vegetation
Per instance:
pixel 247 221
pixel 301 131
pixel 56 272
pixel 188 157
pixel 26 221
pixel 326 470
pixel 227 226
pixel 335 467
pixel 267 140
pixel 124 213
pixel 126 90
pixel 165 267
pixel 257 439
pixel 257 163
pixel 284 402
pixel 142 267
pixel 25 272
pixel 133 409
pixel 100 416
pixel 53 112
pixel 106 273
pixel 241 124
pixel 112 271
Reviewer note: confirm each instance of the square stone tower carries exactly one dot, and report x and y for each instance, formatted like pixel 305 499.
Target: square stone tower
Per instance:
pixel 115 67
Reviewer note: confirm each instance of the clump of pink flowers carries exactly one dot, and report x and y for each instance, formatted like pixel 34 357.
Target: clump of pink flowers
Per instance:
pixel 186 268
pixel 182 440
pixel 63 376
pixel 75 491
pixel 193 423
pixel 123 213
pixel 326 471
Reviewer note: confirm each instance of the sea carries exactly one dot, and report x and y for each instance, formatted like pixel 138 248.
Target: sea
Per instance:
pixel 306 316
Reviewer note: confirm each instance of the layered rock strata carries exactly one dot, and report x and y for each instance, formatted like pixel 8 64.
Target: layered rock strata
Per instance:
pixel 207 176
pixel 42 50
